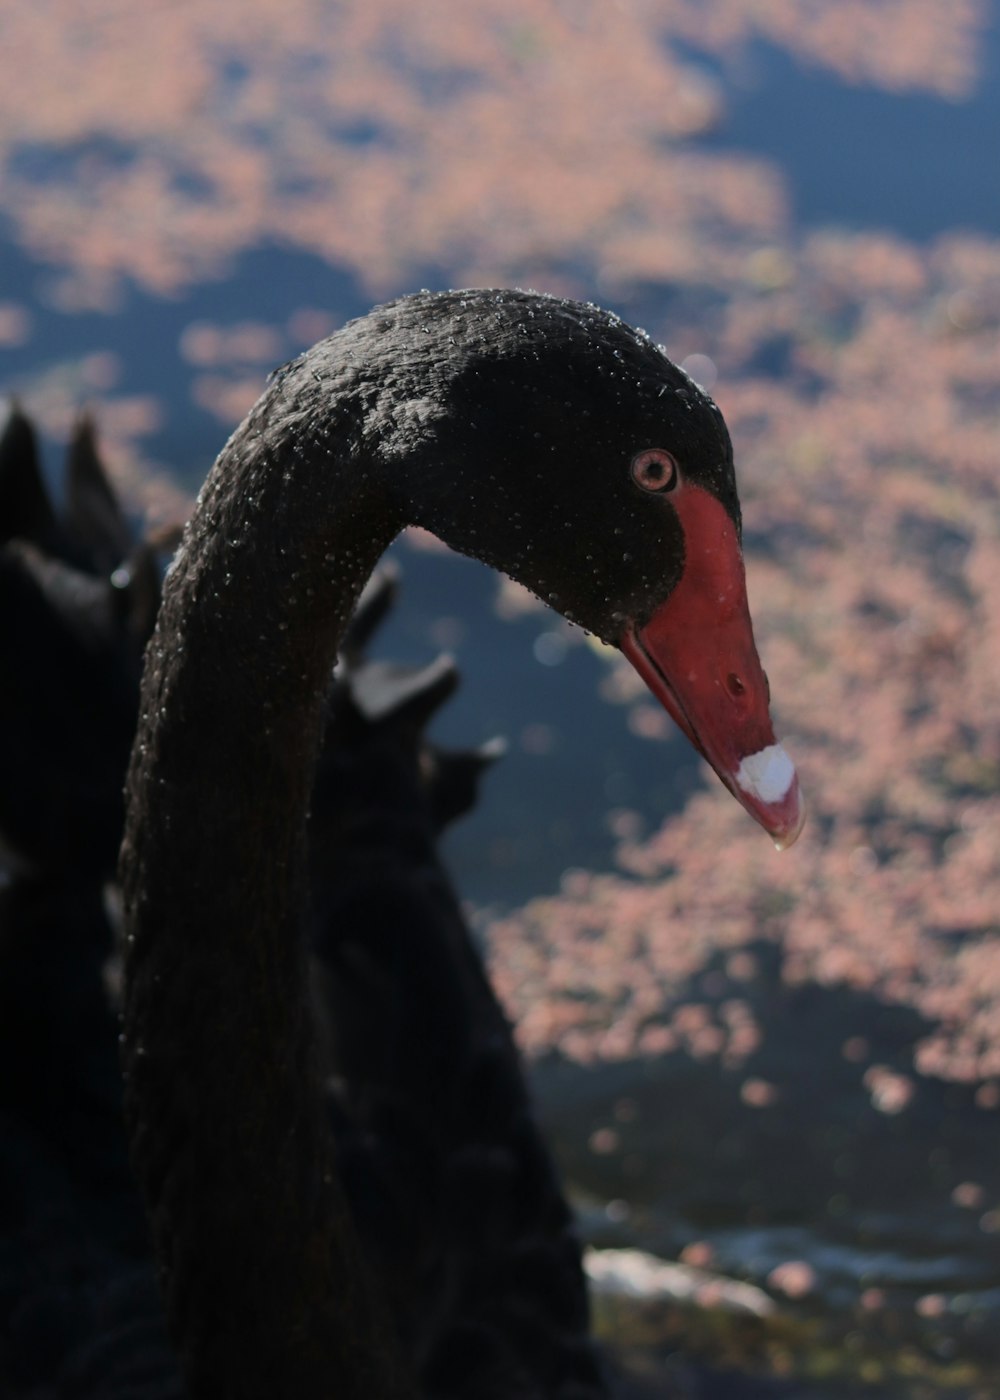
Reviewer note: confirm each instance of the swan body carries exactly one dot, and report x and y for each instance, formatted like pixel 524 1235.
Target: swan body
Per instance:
pixel 79 1312
pixel 75 636
pixel 447 1179
pixel 510 425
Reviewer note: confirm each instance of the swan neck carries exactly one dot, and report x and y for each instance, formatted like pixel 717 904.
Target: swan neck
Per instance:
pixel 266 1289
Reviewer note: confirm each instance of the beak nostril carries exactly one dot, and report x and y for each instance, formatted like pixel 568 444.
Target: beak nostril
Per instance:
pixel 734 685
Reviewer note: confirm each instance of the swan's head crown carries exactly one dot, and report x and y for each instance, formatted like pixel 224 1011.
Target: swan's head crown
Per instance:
pixel 507 423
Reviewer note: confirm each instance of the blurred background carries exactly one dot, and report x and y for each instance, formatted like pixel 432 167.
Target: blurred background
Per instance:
pixel 783 1070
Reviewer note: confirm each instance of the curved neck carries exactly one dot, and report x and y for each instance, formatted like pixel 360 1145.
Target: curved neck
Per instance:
pixel 266 1289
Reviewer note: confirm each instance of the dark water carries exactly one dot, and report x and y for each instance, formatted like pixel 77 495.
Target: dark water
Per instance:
pixel 864 1199
pixel 265 285
pixel 858 157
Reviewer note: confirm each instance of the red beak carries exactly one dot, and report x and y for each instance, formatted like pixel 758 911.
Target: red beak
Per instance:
pixel 697 655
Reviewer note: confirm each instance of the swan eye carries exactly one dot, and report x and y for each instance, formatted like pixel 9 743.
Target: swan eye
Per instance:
pixel 654 470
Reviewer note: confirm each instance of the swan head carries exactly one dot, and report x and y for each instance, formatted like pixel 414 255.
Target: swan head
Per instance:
pixel 563 447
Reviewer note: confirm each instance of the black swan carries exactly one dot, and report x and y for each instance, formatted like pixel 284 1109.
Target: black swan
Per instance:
pixel 552 441
pixel 450 1184
pixel 448 1179
pixel 78 596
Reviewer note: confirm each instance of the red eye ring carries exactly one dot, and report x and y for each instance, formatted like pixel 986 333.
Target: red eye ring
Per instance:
pixel 655 470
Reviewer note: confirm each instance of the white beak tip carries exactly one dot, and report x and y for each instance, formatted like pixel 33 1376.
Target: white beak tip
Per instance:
pixel 767 775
